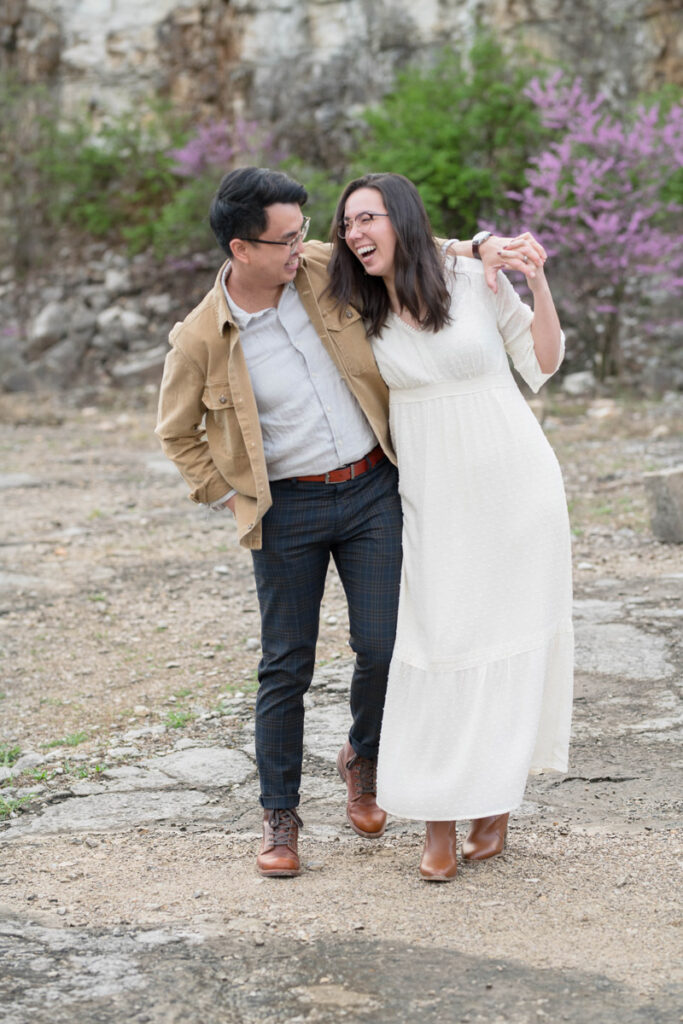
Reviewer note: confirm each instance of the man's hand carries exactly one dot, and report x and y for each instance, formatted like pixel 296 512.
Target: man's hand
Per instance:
pixel 521 253
pixel 228 502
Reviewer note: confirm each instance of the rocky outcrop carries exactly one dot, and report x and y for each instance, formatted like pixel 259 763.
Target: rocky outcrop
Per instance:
pixel 305 67
pixel 107 324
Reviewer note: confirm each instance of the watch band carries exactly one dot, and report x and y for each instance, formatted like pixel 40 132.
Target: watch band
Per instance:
pixel 479 240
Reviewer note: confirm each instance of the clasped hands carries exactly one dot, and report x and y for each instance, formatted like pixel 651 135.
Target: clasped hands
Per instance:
pixel 523 253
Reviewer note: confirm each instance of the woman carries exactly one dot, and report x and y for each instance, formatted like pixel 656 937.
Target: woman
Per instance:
pixel 480 685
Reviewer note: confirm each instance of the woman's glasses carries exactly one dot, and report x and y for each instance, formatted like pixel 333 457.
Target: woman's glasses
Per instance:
pixel 361 220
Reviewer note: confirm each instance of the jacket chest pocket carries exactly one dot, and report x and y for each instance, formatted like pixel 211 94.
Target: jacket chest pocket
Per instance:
pixel 221 418
pixel 347 331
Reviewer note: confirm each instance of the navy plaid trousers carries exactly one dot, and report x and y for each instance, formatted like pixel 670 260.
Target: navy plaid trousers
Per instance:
pixel 359 523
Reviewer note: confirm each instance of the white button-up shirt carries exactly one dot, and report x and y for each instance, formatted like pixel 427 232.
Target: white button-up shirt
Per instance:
pixel 310 421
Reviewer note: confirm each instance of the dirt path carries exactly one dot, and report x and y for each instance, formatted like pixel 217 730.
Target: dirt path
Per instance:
pixel 128 788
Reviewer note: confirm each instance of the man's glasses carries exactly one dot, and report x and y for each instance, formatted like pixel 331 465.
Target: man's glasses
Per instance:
pixel 361 220
pixel 294 241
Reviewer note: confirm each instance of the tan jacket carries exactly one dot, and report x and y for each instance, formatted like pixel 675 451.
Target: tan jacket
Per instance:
pixel 208 420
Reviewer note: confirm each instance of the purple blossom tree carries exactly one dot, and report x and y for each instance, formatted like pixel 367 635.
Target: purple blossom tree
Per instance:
pixel 596 197
pixel 219 144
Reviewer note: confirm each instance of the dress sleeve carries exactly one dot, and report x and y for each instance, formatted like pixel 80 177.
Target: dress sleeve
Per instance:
pixel 514 323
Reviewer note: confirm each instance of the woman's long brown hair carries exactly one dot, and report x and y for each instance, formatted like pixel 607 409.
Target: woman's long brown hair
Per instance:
pixel 419 276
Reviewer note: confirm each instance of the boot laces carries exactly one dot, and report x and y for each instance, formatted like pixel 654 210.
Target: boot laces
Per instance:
pixel 284 824
pixel 364 774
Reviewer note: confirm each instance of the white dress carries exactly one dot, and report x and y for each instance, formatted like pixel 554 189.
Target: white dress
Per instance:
pixel 480 685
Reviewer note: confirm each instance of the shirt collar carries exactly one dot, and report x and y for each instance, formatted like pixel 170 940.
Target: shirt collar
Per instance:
pixel 241 317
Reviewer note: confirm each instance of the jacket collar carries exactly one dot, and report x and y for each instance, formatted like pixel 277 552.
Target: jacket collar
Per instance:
pixel 224 315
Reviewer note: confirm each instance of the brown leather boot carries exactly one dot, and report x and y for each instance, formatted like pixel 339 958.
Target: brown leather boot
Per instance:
pixel 360 775
pixel 278 857
pixel 486 837
pixel 439 858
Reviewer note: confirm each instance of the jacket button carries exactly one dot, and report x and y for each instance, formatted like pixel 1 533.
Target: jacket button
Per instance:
pixel 349 314
pixel 222 399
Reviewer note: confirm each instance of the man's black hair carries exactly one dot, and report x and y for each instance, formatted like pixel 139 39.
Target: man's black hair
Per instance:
pixel 238 207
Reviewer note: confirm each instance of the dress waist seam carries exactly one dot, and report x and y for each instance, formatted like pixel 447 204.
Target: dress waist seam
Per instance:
pixel 445 388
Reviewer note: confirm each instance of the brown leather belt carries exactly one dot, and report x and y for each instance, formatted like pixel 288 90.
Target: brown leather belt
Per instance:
pixel 350 472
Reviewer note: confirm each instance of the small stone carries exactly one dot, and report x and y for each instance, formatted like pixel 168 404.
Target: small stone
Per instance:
pixel 252 644
pixel 665 494
pixel 579 384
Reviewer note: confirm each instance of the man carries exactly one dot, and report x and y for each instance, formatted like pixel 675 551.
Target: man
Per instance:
pixel 272 406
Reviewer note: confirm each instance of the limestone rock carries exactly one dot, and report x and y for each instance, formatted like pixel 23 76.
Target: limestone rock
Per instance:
pixel 579 385
pixel 28 761
pixel 49 326
pixel 205 766
pixel 665 493
pixel 144 369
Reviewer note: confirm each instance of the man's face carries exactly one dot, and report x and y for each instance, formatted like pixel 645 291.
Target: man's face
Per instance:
pixel 275 265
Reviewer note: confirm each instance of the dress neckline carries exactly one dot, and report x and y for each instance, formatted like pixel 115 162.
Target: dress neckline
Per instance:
pixel 404 323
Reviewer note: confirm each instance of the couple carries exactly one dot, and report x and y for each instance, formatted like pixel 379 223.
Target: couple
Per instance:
pixel 356 400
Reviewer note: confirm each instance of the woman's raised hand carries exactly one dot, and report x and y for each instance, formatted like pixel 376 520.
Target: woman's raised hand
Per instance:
pixel 523 253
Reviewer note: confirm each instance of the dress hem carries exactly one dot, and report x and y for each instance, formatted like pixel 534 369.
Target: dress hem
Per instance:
pixel 486 656
pixel 442 815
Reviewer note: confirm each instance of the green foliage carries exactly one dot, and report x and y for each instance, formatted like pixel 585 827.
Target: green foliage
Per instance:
pixel 461 132
pixel 179 719
pixel 183 222
pixel 100 178
pixel 8 755
pixel 323 190
pixel 23 198
pixel 72 740
pixel 9 807
pixel 111 179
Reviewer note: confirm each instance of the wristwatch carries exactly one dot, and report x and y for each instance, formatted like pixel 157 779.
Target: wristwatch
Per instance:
pixel 479 240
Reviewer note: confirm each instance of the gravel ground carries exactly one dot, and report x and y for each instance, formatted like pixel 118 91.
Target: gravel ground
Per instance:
pixel 130 632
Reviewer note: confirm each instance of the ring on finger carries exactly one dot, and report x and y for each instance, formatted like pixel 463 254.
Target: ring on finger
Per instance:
pixel 525 259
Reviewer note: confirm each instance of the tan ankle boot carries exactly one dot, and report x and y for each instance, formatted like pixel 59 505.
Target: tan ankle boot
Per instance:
pixel 486 837
pixel 360 775
pixel 279 854
pixel 439 859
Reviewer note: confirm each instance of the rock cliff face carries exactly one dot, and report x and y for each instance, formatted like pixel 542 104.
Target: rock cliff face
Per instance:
pixel 302 64
pixel 303 69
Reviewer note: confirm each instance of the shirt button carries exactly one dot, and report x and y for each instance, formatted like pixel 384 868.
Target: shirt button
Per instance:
pixel 222 399
pixel 349 314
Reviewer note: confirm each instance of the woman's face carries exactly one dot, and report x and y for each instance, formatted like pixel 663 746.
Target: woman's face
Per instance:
pixel 369 233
